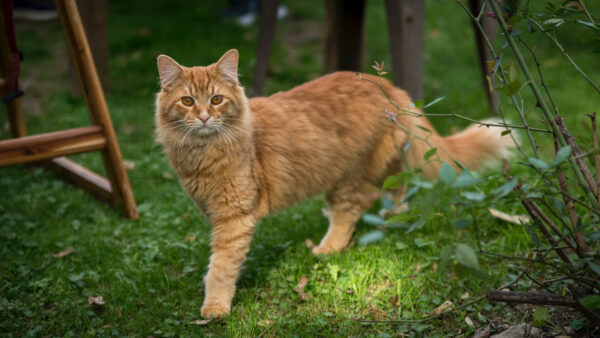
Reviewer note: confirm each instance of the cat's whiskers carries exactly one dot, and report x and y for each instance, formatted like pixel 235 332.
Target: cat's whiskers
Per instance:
pixel 230 130
pixel 225 136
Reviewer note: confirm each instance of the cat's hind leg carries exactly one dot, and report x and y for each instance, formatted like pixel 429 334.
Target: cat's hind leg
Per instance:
pixel 347 202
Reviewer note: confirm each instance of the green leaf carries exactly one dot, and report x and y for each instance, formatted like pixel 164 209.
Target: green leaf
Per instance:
pixel 429 153
pixel 591 302
pixel 512 72
pixel 506 188
pixel 400 218
pixel 401 245
pixel 419 103
pixel 372 219
pixel 513 87
pixel 433 102
pixel 420 242
pixel 554 21
pixel 541 316
pixel 505 132
pixel 334 270
pixel 473 195
pixel 465 180
pixel 395 181
pixel 423 128
pixel 447 173
pixel 578 324
pixel 410 193
pixel 595 236
pixel 465 255
pixel 461 223
pixel 416 226
pixel 595 267
pixel 538 163
pixel 371 237
pixel 562 155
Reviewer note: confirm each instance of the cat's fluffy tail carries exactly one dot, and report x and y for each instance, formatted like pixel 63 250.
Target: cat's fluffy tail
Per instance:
pixel 474 147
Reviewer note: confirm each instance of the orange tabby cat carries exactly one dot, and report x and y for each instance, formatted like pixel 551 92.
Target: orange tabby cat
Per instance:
pixel 241 159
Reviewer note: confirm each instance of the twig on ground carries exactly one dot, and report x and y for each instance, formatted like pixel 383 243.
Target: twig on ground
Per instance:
pixel 428 318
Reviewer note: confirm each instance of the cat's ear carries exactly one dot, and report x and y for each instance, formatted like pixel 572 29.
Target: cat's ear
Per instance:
pixel 227 66
pixel 168 70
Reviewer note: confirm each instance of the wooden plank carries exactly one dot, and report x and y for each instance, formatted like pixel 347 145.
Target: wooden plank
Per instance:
pixel 331 50
pixel 96 104
pixel 41 147
pixel 344 35
pixel 93 17
pixel 88 180
pixel 406 30
pixel 16 118
pixel 484 54
pixel 266 34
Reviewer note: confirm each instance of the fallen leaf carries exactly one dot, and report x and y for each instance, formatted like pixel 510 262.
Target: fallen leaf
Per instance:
pixel 516 219
pixel 464 295
pixel 326 213
pixel 168 175
pixel 469 321
pixel 128 164
pixel 264 322
pixel 521 330
pixel 377 313
pixel 64 253
pixel 393 300
pixel 309 243
pixel 483 332
pixel 201 321
pixel 99 301
pixel 301 284
pixel 190 238
pixel 435 267
pixel 300 288
pixel 445 306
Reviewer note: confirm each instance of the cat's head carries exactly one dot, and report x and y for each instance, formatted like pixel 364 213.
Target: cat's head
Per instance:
pixel 199 102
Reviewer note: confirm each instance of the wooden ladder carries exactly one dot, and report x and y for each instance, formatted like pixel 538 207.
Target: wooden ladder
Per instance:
pixel 50 148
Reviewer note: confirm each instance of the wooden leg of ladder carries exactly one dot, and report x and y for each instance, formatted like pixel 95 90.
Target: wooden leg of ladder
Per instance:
pixel 96 104
pixel 266 34
pixel 406 30
pixel 16 119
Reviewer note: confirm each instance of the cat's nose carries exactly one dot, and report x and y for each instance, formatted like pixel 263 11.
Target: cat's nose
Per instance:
pixel 204 117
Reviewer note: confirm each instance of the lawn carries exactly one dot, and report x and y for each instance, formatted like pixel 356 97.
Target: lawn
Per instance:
pixel 149 271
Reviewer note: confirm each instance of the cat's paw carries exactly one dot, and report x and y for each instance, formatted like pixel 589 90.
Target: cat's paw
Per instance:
pixel 324 250
pixel 214 310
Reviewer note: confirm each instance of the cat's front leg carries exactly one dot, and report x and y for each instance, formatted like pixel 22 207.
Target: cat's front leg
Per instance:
pixel 230 242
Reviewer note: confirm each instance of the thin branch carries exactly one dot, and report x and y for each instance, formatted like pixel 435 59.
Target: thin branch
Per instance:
pixel 501 74
pixel 583 168
pixel 562 49
pixel 540 99
pixel 531 298
pixel 428 318
pixel 534 214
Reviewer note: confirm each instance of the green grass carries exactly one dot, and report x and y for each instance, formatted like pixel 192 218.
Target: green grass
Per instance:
pixel 150 270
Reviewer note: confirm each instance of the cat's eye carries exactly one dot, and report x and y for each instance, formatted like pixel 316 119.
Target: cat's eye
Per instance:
pixel 187 101
pixel 216 99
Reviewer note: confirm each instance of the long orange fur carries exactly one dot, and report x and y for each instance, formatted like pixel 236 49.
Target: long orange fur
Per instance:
pixel 253 157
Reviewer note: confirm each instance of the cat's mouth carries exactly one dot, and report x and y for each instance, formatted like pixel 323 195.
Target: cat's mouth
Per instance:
pixel 204 129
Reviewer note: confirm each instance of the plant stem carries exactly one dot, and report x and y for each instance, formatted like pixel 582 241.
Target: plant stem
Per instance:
pixel 562 49
pixel 540 100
